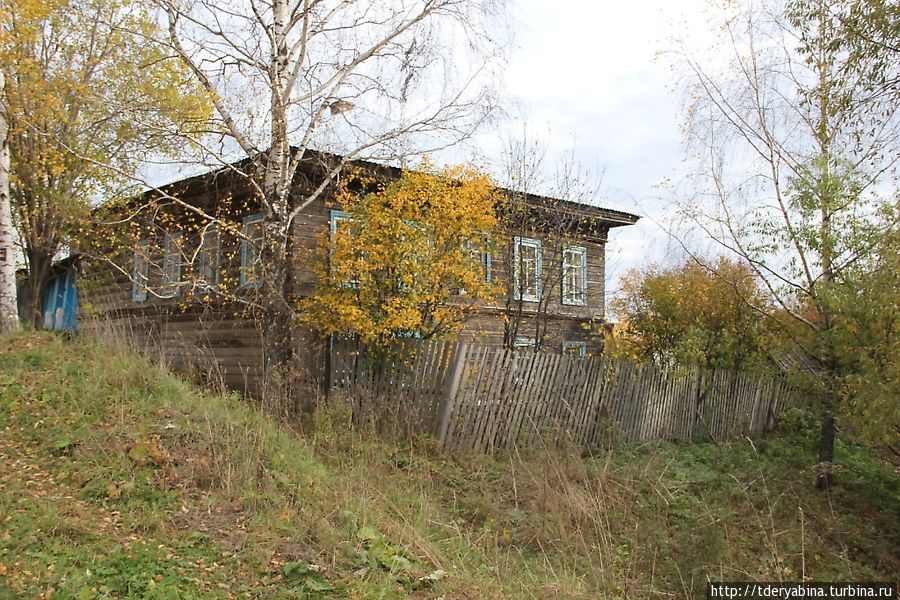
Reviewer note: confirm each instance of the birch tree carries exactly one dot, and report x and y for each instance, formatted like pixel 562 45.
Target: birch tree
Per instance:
pixel 9 316
pixel 379 80
pixel 795 160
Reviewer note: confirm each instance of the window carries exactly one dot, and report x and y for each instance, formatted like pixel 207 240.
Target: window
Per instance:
pixel 171 275
pixel 209 258
pixel 484 258
pixel 337 220
pixel 527 267
pixel 251 251
pixel 140 272
pixel 574 275
pixel 524 343
pixel 578 349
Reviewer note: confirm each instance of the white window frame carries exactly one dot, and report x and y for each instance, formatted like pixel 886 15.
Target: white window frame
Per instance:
pixel 486 260
pixel 171 265
pixel 204 258
pixel 524 343
pixel 571 297
pixel 519 242
pixel 246 249
pixel 140 272
pixel 567 345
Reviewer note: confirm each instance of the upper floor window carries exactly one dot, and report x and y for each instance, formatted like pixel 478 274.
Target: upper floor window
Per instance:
pixel 574 275
pixel 527 269
pixel 251 251
pixel 337 221
pixel 484 258
pixel 171 275
pixel 210 257
pixel 140 271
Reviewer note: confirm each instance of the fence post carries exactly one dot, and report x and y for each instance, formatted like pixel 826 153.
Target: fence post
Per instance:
pixel 327 375
pixel 451 385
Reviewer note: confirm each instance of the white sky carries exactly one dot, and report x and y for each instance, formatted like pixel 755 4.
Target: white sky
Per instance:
pixel 585 74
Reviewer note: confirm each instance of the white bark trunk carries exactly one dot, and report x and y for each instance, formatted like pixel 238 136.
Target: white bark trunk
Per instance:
pixel 9 315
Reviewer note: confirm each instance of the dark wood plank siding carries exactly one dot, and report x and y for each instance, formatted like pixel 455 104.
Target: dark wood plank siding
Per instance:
pixel 207 333
pixel 309 229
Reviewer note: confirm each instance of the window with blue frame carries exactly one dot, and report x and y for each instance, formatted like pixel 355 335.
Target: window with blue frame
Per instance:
pixel 209 258
pixel 527 269
pixel 574 275
pixel 171 270
pixel 484 258
pixel 140 271
pixel 524 343
pixel 338 220
pixel 574 348
pixel 251 251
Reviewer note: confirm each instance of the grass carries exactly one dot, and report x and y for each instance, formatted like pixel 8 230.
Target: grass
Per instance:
pixel 118 480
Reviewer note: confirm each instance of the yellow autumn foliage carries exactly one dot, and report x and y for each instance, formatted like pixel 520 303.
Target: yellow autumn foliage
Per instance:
pixel 408 258
pixel 90 95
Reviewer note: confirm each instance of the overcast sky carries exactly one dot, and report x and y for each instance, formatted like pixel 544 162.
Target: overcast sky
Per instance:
pixel 585 73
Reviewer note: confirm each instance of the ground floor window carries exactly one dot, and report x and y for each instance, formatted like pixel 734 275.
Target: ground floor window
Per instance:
pixel 574 348
pixel 524 343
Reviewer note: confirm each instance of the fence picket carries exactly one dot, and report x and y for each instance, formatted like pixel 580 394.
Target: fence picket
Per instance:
pixel 482 398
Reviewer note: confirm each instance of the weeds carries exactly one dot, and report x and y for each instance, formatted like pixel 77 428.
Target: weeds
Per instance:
pixel 121 480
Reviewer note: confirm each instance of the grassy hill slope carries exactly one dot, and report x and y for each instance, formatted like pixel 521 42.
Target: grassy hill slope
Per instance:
pixel 118 480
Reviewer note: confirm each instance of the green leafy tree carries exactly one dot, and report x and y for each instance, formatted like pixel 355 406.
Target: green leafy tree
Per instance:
pixel 406 259
pixel 795 152
pixel 89 97
pixel 865 335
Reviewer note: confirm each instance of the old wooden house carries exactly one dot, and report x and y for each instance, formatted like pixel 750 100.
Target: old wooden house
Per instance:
pixel 179 283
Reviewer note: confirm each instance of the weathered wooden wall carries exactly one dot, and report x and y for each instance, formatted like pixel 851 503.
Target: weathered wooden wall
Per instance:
pixel 211 346
pixel 484 398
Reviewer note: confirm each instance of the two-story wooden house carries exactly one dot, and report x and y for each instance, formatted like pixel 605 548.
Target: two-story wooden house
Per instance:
pixel 182 284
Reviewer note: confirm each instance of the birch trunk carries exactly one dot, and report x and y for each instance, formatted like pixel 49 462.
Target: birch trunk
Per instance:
pixel 277 320
pixel 9 317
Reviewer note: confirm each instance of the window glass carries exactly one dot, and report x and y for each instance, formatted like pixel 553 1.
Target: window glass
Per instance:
pixel 574 275
pixel 209 257
pixel 527 269
pixel 171 264
pixel 140 271
pixel 338 221
pixel 578 349
pixel 251 251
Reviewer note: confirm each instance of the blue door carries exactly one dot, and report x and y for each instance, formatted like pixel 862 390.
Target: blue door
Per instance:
pixel 61 303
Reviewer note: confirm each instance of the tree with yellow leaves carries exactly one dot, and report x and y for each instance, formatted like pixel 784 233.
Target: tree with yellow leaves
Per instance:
pixel 89 96
pixel 692 314
pixel 406 258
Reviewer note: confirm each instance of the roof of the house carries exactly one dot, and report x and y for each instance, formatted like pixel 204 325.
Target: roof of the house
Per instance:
pixel 610 217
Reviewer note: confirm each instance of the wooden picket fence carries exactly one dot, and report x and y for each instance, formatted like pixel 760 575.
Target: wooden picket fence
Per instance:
pixel 484 398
